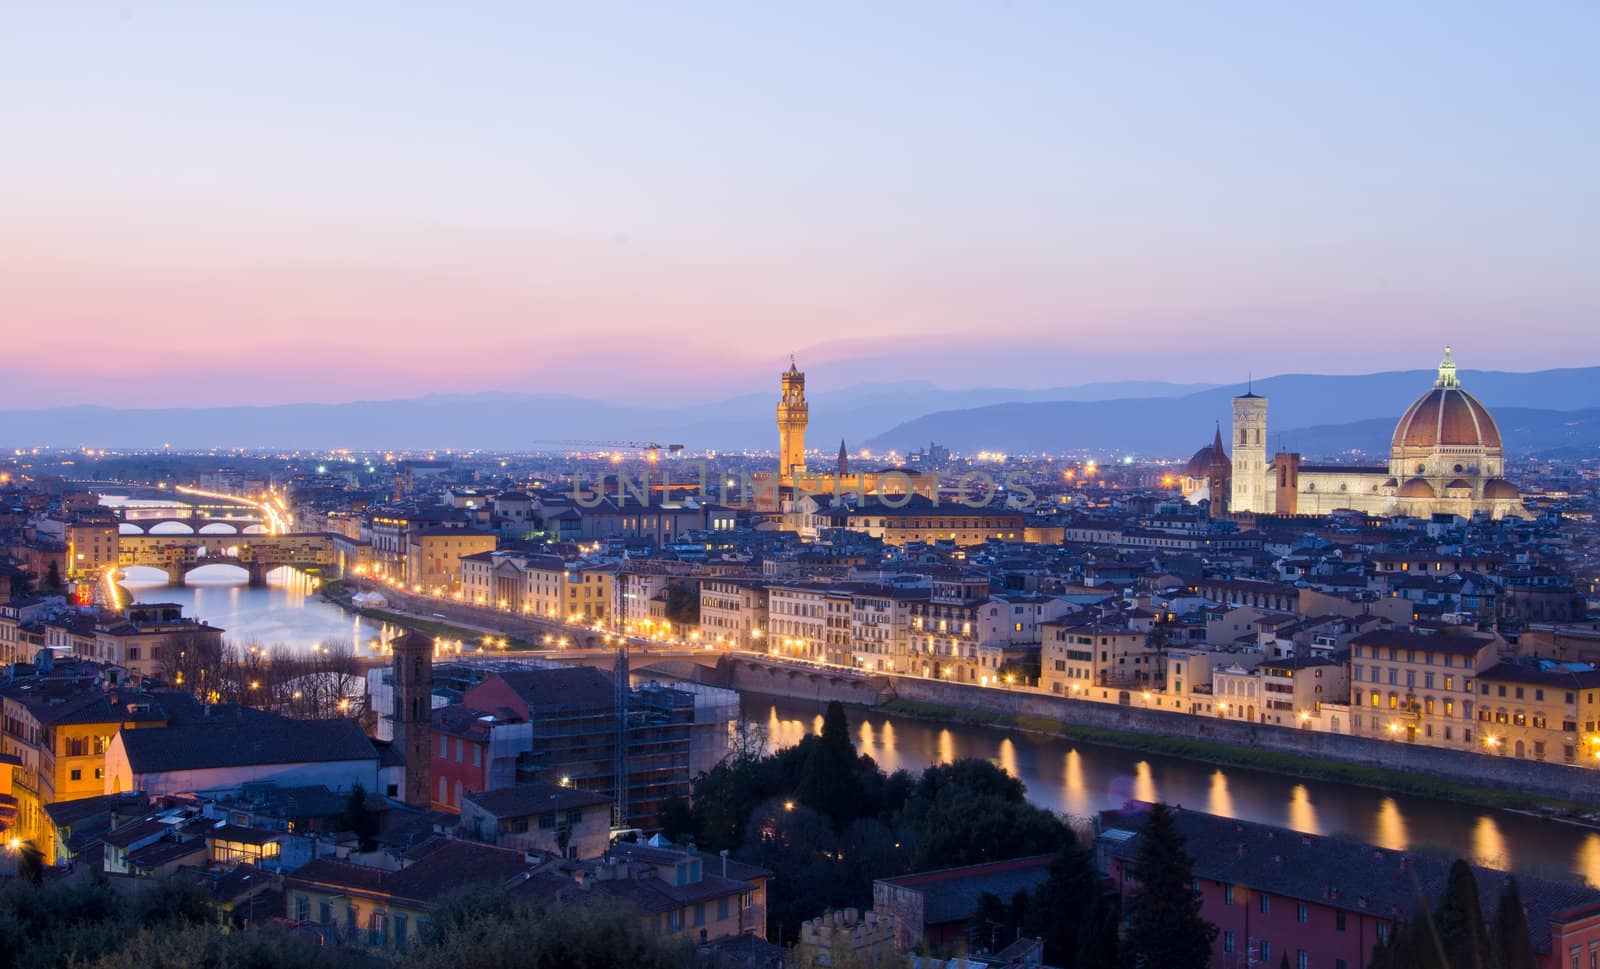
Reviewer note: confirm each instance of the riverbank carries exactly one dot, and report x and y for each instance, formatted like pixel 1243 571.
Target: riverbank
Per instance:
pixel 338 593
pixel 1276 762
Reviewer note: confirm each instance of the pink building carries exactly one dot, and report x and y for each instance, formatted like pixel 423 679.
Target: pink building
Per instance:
pixel 1325 902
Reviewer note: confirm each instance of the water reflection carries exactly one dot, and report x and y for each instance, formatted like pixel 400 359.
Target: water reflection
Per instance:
pixel 287 611
pixel 1081 779
pixel 1008 757
pixel 1302 816
pixel 1220 801
pixel 1144 785
pixel 1076 800
pixel 1391 831
pixel 1488 844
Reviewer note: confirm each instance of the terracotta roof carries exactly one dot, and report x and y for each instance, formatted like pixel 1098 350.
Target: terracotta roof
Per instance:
pixel 1449 417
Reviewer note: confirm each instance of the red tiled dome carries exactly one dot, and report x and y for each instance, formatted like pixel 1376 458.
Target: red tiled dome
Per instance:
pixel 1447 417
pixel 1416 488
pixel 1500 488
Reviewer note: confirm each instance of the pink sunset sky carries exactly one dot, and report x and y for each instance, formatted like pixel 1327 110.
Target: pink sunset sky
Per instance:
pixel 214 204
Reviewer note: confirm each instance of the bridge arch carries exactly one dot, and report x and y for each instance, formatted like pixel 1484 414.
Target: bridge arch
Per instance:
pixel 169 527
pixel 218 528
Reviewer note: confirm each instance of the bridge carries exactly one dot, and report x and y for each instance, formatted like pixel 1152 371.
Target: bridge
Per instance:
pixel 178 555
pixel 196 526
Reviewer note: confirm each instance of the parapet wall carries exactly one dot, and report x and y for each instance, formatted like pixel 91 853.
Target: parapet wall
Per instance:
pixel 1533 777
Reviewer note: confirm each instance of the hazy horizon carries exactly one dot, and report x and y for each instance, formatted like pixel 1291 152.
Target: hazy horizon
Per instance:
pixel 220 205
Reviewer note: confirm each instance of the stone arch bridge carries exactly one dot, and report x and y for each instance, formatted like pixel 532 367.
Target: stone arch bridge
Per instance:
pixel 178 555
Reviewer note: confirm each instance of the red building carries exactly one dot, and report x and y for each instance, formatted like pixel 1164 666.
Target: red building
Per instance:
pixel 1325 902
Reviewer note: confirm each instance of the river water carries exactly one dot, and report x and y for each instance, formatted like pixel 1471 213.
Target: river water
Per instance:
pixel 285 612
pixel 1080 779
pixel 1073 778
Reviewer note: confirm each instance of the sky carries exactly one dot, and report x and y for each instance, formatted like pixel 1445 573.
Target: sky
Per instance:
pixel 221 203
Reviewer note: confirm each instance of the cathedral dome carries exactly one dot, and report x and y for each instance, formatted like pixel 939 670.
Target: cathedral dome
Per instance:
pixel 1500 488
pixel 1446 416
pixel 1209 458
pixel 1416 488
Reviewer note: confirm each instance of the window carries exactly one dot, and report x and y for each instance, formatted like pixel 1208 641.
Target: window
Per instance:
pixel 444 790
pixel 1338 921
pixel 1265 901
pixel 1227 894
pixel 1266 951
pixel 1302 914
pixel 722 908
pixel 575 816
pixel 477 756
pixel 1301 959
pixel 700 914
pixel 99 773
pixel 547 822
pixel 76 774
pixel 325 912
pixel 1227 942
pixel 302 908
pixel 400 931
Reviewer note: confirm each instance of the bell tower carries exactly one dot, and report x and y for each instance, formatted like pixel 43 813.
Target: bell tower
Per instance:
pixel 793 415
pixel 413 714
pixel 1249 491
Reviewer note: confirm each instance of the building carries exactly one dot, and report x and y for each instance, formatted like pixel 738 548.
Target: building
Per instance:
pixel 433 556
pixel 1540 710
pixel 534 818
pixel 1315 901
pixel 383 909
pixel 933 907
pixel 1418 688
pixel 793 415
pixel 680 894
pixel 209 757
pixel 574 729
pixel 148 638
pixel 1446 456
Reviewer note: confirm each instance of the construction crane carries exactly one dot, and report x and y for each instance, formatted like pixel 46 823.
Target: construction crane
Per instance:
pixel 649 446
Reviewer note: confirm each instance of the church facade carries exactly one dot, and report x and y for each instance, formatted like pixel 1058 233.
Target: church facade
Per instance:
pixel 1446 457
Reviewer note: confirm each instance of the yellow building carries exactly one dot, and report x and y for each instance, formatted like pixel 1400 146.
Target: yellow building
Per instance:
pixel 433 557
pixel 60 745
pixel 383 909
pixel 1540 710
pixel 92 547
pixel 1415 688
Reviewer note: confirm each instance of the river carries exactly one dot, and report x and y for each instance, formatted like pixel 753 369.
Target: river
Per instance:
pixel 287 611
pixel 1080 779
pixel 1073 778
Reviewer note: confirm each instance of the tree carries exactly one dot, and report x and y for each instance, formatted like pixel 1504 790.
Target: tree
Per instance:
pixel 1457 932
pixel 52 578
pixel 1165 930
pixel 1097 935
pixel 1510 942
pixel 359 820
pixel 1060 905
pixel 986 929
pixel 828 781
pixel 683 604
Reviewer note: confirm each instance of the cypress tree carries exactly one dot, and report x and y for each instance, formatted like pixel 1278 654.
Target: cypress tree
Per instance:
pixel 1059 906
pixel 1165 929
pixel 1097 935
pixel 1511 942
pixel 1458 929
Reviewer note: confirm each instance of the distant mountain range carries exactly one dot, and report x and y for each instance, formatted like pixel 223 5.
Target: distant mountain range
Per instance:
pixel 1546 411
pixel 1315 415
pixel 511 421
